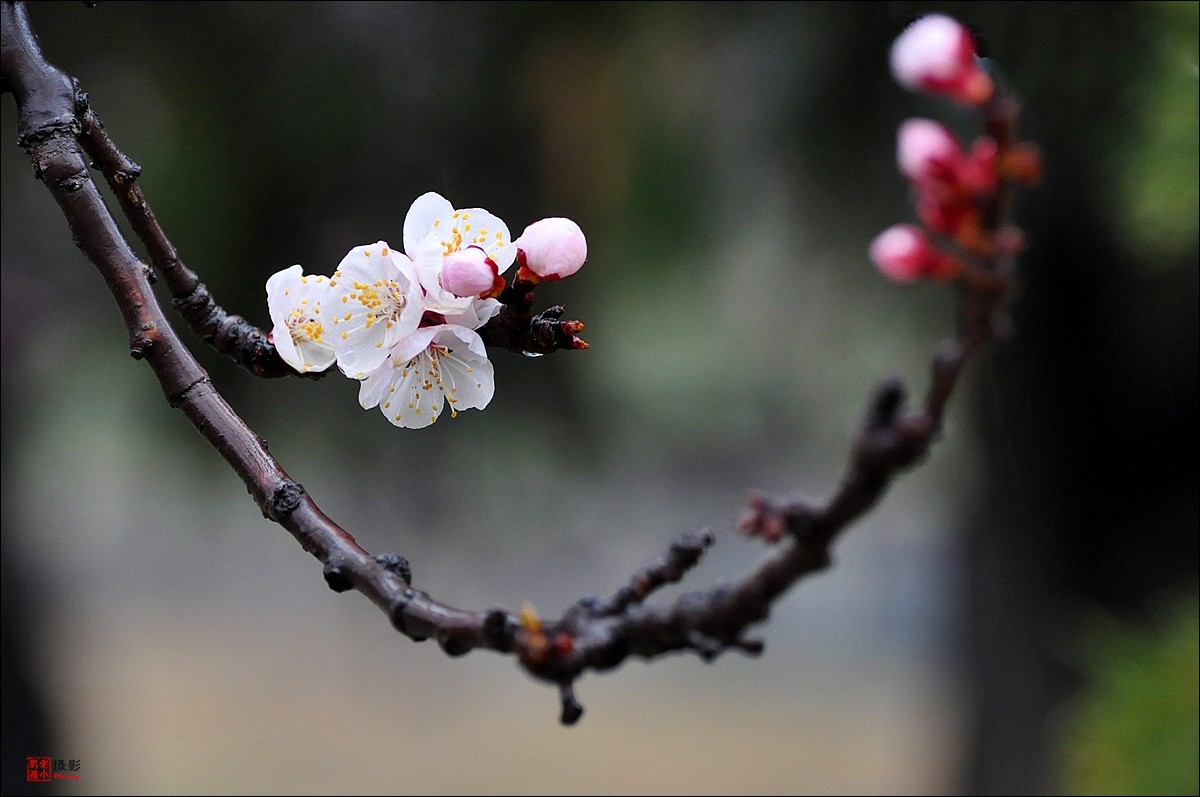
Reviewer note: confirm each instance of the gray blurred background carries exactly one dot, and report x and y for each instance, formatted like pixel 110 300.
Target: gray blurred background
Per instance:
pixel 1019 615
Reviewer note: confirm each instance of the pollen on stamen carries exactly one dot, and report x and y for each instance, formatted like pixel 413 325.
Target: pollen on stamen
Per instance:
pixel 304 280
pixel 347 316
pixel 344 335
pixel 287 291
pixel 345 299
pixel 385 251
pixel 366 253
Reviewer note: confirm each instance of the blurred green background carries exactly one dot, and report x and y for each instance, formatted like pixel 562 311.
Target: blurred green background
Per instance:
pixel 1019 615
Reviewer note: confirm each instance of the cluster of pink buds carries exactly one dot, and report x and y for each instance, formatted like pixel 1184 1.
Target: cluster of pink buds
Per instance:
pixel 955 189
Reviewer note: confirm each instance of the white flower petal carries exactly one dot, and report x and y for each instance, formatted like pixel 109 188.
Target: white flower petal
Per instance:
pixel 449 367
pixel 467 339
pixel 504 256
pixel 415 343
pixel 372 389
pixel 299 329
pixel 374 301
pixel 418 223
pixel 475 315
pixel 480 228
pixel 467 379
pixel 427 261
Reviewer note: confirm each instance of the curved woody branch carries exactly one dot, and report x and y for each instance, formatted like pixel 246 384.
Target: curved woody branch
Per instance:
pixel 57 128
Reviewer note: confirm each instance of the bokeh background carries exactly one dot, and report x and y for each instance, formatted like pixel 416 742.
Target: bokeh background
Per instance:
pixel 1018 616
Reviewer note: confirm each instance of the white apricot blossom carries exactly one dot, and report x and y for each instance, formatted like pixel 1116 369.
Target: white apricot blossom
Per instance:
pixel 436 237
pixel 428 369
pixel 374 300
pixel 403 323
pixel 299 332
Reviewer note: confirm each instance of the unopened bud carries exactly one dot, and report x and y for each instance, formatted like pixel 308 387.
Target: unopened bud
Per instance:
pixel 468 272
pixel 937 54
pixel 552 248
pixel 904 254
pixel 924 147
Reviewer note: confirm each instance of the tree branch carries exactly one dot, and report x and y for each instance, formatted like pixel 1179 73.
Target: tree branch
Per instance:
pixel 56 126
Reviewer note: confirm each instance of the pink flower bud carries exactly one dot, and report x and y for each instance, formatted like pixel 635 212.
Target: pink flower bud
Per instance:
pixel 937 54
pixel 468 272
pixel 923 147
pixel 552 248
pixel 904 254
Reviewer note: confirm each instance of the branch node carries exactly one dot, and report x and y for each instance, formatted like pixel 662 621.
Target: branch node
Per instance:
pixel 455 642
pixel 398 617
pixel 284 501
pixel 176 399
pixel 691 545
pixel 73 182
pixel 706 646
pixel 762 518
pixel 886 405
pixel 751 647
pixel 499 628
pixel 81 99
pixel 335 577
pixel 396 564
pixel 590 605
pixel 572 709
